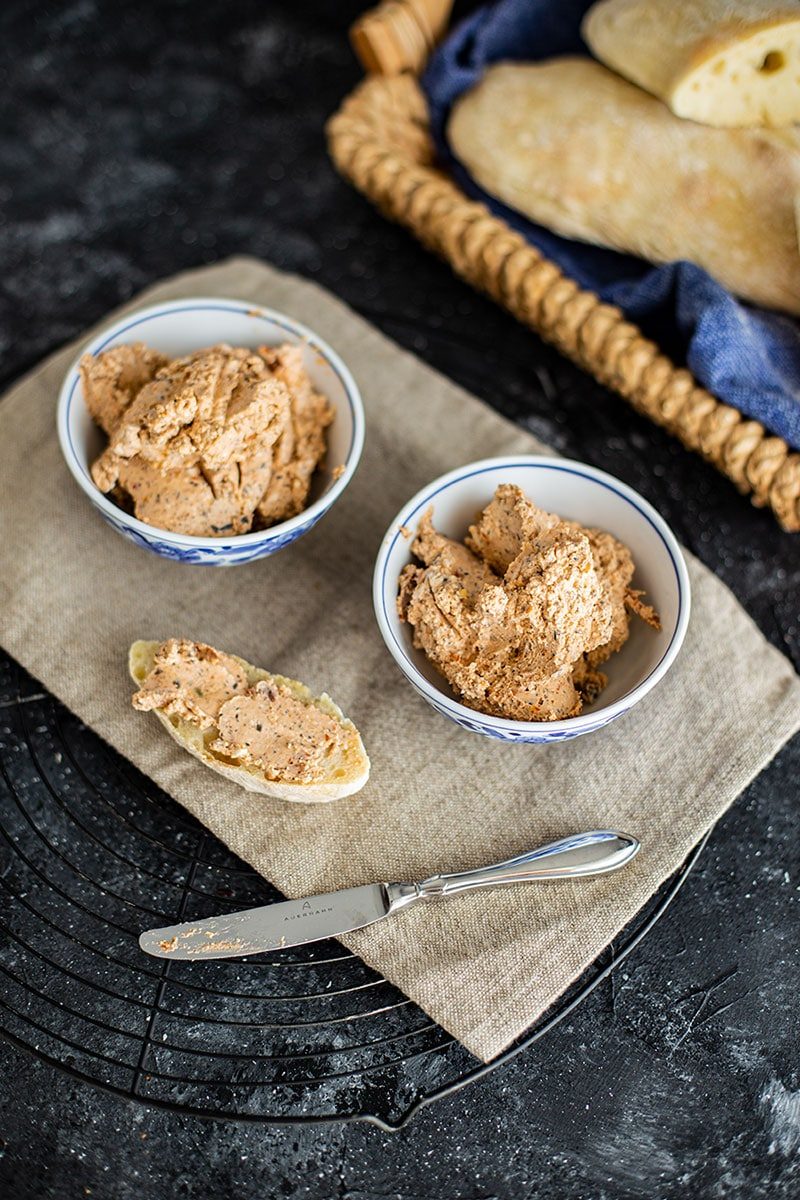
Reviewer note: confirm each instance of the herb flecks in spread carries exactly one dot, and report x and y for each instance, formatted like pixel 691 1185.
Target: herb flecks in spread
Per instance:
pixel 262 724
pixel 213 444
pixel 191 681
pixel 521 616
pixel 269 726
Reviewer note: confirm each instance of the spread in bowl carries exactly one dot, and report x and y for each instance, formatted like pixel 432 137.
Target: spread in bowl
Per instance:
pixel 219 442
pixel 224 485
pixel 521 615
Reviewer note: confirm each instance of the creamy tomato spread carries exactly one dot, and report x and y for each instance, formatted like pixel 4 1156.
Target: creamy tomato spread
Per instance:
pixel 519 617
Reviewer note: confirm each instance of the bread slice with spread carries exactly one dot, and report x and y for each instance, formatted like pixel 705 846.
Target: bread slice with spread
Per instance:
pixel 267 733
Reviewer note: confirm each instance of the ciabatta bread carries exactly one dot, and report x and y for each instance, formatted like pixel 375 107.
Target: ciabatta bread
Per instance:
pixel 720 62
pixel 576 148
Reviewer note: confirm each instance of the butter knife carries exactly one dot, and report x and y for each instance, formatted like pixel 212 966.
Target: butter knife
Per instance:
pixel 295 922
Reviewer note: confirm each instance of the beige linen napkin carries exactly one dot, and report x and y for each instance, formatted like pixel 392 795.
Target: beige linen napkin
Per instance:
pixel 485 965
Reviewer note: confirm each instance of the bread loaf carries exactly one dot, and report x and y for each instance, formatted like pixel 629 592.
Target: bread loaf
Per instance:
pixel 581 151
pixel 720 62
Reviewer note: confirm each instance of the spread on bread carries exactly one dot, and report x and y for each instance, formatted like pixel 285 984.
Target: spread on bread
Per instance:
pixel 264 731
pixel 216 443
pixel 520 616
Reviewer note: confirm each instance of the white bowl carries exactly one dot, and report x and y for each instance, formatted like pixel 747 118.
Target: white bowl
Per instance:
pixel 575 491
pixel 177 328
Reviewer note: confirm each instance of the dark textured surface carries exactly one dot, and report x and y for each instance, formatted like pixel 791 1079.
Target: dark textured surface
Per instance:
pixel 96 853
pixel 137 140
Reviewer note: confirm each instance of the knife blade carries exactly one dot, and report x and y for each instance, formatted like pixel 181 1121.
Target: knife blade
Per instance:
pixel 296 922
pixel 271 927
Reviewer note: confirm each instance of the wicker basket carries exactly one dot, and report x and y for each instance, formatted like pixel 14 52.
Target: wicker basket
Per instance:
pixel 380 140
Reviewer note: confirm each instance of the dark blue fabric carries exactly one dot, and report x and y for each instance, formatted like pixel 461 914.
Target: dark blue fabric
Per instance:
pixel 746 356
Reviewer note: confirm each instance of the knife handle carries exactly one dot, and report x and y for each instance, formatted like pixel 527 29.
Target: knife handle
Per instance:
pixel 581 854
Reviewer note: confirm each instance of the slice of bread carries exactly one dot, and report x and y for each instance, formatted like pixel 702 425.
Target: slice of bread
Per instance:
pixel 346 772
pixel 719 62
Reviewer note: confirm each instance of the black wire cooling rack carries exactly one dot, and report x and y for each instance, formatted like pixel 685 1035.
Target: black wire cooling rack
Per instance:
pixel 94 853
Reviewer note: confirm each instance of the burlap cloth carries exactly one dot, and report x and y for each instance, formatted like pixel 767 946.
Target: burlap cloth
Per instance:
pixel 485 965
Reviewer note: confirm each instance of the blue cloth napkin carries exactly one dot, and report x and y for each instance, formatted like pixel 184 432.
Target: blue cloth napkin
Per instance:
pixel 745 355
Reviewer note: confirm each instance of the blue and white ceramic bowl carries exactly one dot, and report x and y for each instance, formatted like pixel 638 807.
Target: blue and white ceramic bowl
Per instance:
pixel 580 493
pixel 178 328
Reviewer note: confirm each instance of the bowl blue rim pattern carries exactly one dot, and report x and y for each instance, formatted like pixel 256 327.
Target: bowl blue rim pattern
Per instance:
pixel 472 718
pixel 251 309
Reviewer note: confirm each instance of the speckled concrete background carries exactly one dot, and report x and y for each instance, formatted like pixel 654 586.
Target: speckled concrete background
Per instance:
pixel 139 139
